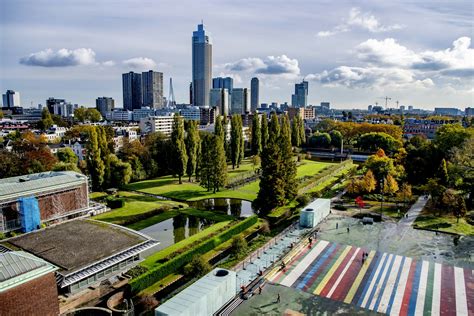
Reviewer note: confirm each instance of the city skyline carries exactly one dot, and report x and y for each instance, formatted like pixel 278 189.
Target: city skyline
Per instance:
pixel 355 54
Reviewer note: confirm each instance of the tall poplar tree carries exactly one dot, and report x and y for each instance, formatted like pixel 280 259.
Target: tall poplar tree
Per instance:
pixel 288 167
pixel 179 156
pixel 192 148
pixel 264 130
pixel 219 128
pixel 256 136
pixel 219 164
pixel 295 131
pixel 302 132
pixel 95 164
pixel 235 140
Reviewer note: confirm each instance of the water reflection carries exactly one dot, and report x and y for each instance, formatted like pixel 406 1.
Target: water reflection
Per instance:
pixel 234 207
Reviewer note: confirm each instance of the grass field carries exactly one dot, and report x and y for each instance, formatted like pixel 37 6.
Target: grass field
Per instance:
pixel 190 191
pixel 444 223
pixel 135 205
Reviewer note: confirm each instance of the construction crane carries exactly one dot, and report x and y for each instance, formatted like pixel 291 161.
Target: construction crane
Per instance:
pixel 386 100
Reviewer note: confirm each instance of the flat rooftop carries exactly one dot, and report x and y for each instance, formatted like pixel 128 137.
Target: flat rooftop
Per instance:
pixel 79 243
pixel 30 184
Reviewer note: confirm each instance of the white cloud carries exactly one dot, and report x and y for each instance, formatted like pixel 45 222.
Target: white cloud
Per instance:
pixel 140 63
pixel 358 19
pixel 387 63
pixel 270 65
pixel 61 58
pixel 109 63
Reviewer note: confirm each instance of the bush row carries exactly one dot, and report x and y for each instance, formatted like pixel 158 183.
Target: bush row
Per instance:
pixel 156 274
pixel 114 202
pixel 324 176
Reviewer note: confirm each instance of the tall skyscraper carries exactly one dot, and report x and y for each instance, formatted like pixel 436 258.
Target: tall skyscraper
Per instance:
pixel 219 97
pixel 202 66
pixel 254 91
pixel 11 99
pixel 240 101
pixel 104 105
pixel 300 98
pixel 152 86
pixel 132 91
pixel 226 83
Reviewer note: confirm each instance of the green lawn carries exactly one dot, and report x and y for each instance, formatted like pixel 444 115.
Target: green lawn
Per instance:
pixel 191 191
pixel 445 223
pixel 245 167
pixel 153 259
pixel 135 206
pixel 310 168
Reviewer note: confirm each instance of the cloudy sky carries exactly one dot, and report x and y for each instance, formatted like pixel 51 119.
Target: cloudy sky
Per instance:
pixel 353 53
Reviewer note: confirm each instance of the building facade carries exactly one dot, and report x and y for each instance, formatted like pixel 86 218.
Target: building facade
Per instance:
pixel 191 113
pixel 202 67
pixel 104 105
pixel 29 200
pixel 219 98
pixel 300 97
pixel 223 83
pixel 11 99
pixel 151 124
pixel 152 85
pixel 254 94
pixel 132 91
pixel 240 101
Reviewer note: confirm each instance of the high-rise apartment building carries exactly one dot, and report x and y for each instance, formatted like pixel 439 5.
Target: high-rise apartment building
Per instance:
pixel 152 86
pixel 219 98
pixel 104 105
pixel 240 103
pixel 11 99
pixel 132 91
pixel 300 98
pixel 254 94
pixel 202 66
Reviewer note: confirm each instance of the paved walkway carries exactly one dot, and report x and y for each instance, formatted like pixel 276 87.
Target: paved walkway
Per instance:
pixel 414 211
pixel 385 283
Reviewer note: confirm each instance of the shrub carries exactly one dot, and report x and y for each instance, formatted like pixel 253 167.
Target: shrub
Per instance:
pixel 113 202
pixel 239 245
pixel 303 200
pixel 340 207
pixel 136 271
pixel 197 267
pixel 265 229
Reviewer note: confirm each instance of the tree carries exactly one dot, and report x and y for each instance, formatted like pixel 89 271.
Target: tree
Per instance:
pixel 197 267
pixel 239 246
pixel 404 194
pixel 336 138
pixel 1 114
pixel 354 186
pixel 236 138
pixel 192 148
pixel 46 120
pixel 66 166
pixel 95 165
pixel 320 140
pixel 272 186
pixel 380 165
pixel 302 131
pixel 179 156
pixel 450 136
pixel 264 131
pixel 118 172
pixel 443 173
pixel 295 132
pixel 368 182
pixel 375 140
pixel 256 136
pixel 256 161
pixel 67 155
pixel 390 185
pixel 93 115
pixel 80 114
pixel 219 128
pixel 288 162
pixel 462 169
pixel 435 190
pixel 461 209
pixel 212 163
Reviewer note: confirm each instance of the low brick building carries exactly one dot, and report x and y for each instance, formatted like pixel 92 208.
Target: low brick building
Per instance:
pixel 29 200
pixel 27 285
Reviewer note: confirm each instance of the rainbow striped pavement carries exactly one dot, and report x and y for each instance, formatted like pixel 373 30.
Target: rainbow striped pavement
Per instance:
pixel 385 283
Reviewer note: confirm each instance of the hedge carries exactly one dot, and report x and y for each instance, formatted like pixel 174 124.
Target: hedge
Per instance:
pixel 156 274
pixel 114 203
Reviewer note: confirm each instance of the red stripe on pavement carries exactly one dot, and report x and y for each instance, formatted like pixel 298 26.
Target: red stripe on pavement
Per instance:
pixel 351 274
pixel 280 274
pixel 469 281
pixel 408 289
pixel 337 273
pixel 448 292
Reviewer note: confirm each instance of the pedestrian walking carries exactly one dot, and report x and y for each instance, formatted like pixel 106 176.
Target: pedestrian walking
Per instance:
pixel 337 225
pixel 259 290
pixel 278 298
pixel 348 229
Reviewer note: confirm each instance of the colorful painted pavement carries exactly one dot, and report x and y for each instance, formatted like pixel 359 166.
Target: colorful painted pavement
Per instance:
pixel 385 283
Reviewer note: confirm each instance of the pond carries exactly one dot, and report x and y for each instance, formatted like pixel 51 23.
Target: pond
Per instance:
pixel 234 207
pixel 174 230
pixel 397 239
